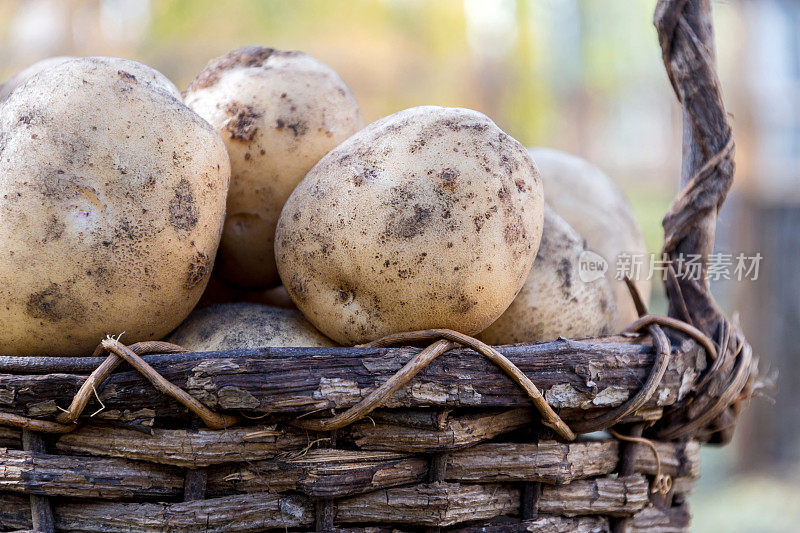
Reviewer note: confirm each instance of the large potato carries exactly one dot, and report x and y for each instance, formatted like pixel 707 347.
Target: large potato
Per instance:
pixel 428 218
pixel 112 200
pixel 556 299
pixel 246 325
pixel 597 209
pixel 279 113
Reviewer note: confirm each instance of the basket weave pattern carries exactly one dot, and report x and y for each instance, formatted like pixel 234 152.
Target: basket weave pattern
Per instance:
pixel 453 435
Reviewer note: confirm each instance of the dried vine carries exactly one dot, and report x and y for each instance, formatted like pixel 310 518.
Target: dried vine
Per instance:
pixel 685 33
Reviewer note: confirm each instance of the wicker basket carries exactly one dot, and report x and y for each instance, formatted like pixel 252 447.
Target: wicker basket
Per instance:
pixel 453 435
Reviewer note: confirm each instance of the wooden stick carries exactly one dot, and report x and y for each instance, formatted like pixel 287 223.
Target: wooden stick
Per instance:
pixel 41 512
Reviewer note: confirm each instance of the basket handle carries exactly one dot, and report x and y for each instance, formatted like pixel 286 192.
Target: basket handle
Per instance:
pixel 686 35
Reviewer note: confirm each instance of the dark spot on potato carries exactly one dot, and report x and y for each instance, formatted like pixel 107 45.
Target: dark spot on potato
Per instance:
pixel 514 233
pixel 182 209
pixel 564 272
pixel 248 56
pixel 463 304
pixel 345 295
pixel 368 175
pixel 521 187
pixel 53 305
pixel 127 76
pixel 456 125
pixel 448 178
pixel 297 288
pixel 298 127
pixel 53 229
pixel 199 270
pixel 408 226
pixel 242 125
pixel 417 145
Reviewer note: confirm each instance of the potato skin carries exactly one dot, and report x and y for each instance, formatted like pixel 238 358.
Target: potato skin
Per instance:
pixel 555 301
pixel 245 325
pixel 112 202
pixel 279 113
pixel 598 210
pixel 23 75
pixel 143 74
pixel 428 218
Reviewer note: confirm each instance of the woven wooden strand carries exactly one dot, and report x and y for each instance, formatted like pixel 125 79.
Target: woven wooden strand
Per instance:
pixel 41 510
pixel 678 325
pixel 549 417
pixel 65 422
pixel 627 465
pixel 663 352
pixel 325 508
pixel 96 378
pixel 448 339
pixel 210 418
pixel 437 473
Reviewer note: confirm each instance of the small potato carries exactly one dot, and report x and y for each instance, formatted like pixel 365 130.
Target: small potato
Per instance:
pixel 112 199
pixel 428 218
pixel 279 113
pixel 598 210
pixel 556 300
pixel 245 325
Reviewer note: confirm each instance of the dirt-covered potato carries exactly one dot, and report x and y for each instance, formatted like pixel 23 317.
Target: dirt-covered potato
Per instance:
pixel 598 210
pixel 428 218
pixel 246 325
pixel 112 200
pixel 279 113
pixel 556 299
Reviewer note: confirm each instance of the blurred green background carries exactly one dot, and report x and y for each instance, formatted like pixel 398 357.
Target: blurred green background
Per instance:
pixel 584 76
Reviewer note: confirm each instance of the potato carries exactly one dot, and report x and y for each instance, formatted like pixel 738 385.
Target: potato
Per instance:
pixel 556 299
pixel 597 209
pixel 245 325
pixel 142 72
pixel 279 113
pixel 428 218
pixel 112 199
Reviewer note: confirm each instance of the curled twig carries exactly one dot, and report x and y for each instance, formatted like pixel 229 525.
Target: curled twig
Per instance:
pixel 662 483
pixel 210 418
pixel 447 339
